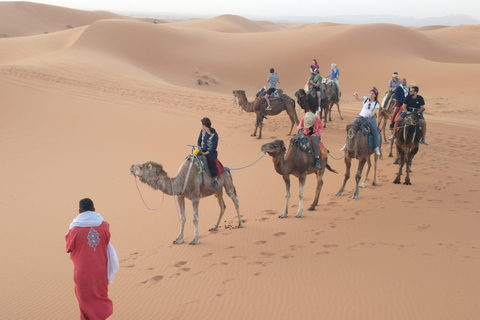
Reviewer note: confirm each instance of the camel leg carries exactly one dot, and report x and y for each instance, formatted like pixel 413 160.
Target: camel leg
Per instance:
pixel 409 164
pixel 221 203
pixel 375 170
pixel 358 176
pixel 256 127
pixel 319 185
pixel 259 125
pixel 293 124
pixel 402 162
pixel 195 202
pixel 181 205
pixel 301 192
pixel 390 155
pixel 230 188
pixel 286 179
pixel 369 166
pixel 348 164
pixel 338 108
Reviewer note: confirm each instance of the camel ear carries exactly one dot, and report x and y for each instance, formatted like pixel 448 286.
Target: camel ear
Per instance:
pixel 149 166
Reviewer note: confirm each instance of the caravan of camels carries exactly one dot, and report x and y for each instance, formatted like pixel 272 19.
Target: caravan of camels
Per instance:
pixel 299 159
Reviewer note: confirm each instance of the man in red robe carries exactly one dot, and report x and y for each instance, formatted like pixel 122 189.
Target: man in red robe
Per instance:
pixel 87 241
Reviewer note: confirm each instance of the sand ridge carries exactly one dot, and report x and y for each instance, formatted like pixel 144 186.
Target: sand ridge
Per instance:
pixel 79 106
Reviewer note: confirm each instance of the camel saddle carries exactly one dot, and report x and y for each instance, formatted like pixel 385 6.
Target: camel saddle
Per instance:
pixel 277 94
pixel 202 166
pixel 365 129
pixel 305 144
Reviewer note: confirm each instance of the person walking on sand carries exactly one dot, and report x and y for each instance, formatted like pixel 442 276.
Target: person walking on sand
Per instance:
pixel 94 261
pixel 208 141
pixel 312 126
pixel 272 81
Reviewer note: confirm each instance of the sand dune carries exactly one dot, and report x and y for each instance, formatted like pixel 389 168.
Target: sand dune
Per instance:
pixel 230 24
pixel 22 18
pixel 79 106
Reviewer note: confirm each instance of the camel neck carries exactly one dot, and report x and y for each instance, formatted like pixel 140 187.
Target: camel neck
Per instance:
pixel 169 186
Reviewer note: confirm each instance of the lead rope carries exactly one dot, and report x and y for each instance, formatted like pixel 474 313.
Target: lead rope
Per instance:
pixel 141 197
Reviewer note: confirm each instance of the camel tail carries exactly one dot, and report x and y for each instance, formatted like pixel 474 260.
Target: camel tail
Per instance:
pixel 330 169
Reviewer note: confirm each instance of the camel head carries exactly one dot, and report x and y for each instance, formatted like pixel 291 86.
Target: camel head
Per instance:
pixel 238 93
pixel 147 170
pixel 301 97
pixel 274 148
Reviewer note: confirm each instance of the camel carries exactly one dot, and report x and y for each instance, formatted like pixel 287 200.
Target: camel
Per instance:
pixel 331 91
pixel 309 103
pixel 407 140
pixel 258 106
pixel 384 117
pixel 357 148
pixel 188 184
pixel 297 163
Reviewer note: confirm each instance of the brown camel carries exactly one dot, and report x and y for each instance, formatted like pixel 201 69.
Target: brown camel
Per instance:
pixel 309 103
pixel 384 116
pixel 407 140
pixel 357 148
pixel 331 91
pixel 188 184
pixel 298 163
pixel 285 103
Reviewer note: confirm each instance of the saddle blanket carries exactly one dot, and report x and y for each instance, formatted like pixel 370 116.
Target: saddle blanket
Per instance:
pixel 204 166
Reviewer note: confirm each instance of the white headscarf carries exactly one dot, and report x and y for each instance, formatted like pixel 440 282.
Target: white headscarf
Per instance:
pixel 93 219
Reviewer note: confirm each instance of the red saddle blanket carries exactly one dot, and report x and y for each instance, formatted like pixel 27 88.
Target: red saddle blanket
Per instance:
pixel 220 169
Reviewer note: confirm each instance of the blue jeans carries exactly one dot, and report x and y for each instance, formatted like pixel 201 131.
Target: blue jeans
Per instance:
pixel 373 126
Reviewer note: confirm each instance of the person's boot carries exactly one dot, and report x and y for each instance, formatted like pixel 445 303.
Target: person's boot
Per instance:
pixel 215 183
pixel 317 163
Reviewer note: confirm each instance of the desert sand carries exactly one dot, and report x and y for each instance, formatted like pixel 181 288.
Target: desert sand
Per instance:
pixel 80 105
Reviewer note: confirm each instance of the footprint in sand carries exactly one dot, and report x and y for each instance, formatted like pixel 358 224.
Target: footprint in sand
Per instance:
pixel 270 212
pixel 278 234
pixel 294 247
pixel 157 278
pixel 185 269
pixel 179 264
pixel 229 247
pixel 328 245
pixel 268 254
pixel 128 266
pixel 207 255
pixel 423 226
pixel 260 242
pixel 322 252
pixel 286 256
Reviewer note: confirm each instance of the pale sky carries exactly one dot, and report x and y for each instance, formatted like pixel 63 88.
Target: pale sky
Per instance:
pixel 405 8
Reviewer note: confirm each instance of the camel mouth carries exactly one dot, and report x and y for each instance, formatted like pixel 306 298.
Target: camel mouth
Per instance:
pixel 133 169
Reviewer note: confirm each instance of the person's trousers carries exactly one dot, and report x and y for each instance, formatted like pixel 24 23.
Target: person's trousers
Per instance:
pixel 212 163
pixel 315 145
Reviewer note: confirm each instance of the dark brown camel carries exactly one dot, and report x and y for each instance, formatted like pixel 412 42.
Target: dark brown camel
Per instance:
pixel 285 103
pixel 407 140
pixel 190 184
pixel 331 91
pixel 357 148
pixel 297 163
pixel 309 103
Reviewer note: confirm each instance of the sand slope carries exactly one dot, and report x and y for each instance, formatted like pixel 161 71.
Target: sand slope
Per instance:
pixel 78 107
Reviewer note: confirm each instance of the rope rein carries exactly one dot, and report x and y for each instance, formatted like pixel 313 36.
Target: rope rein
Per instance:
pixel 249 164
